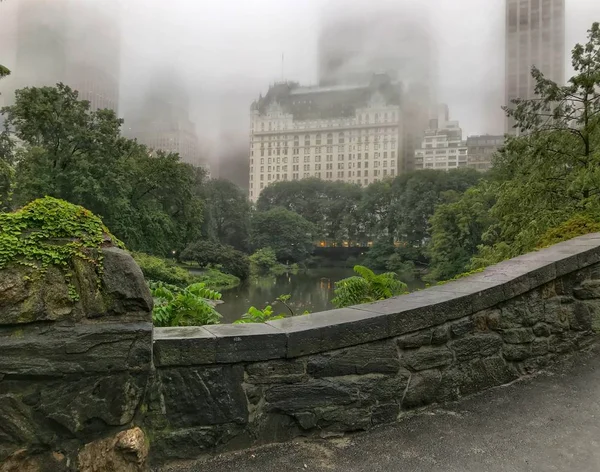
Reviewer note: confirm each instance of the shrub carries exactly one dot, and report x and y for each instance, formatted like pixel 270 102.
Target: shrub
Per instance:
pixel 578 225
pixel 263 260
pixel 217 280
pixel 206 253
pixel 162 270
pixel 367 287
pixel 191 306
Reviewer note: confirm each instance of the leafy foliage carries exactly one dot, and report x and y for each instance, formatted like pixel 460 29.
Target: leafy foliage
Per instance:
pixel 578 225
pixel 190 306
pixel 367 287
pixel 263 261
pixel 286 232
pixel 254 315
pixel 206 253
pixel 162 270
pixel 150 200
pixel 51 232
pixel 227 214
pixel 458 229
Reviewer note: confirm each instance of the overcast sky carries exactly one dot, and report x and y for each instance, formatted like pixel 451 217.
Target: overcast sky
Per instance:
pixel 226 52
pixel 236 45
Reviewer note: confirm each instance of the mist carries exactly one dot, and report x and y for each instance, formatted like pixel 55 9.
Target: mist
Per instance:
pixel 223 54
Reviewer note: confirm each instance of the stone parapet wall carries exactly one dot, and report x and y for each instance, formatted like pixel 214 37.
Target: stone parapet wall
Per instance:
pixel 232 386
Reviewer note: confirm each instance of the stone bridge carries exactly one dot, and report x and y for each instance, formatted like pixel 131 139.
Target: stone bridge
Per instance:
pixel 88 382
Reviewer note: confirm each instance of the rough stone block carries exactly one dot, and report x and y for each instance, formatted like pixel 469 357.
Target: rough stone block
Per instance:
pixel 462 327
pixel 203 396
pixel 124 285
pixel 539 347
pixel 471 347
pixel 517 335
pixel 428 358
pixel 247 342
pixel 337 391
pixel 481 374
pixel 440 335
pixel 541 330
pixel 82 406
pixel 276 371
pixel 413 340
pixel 371 358
pixel 43 350
pixel 487 320
pixel 561 343
pixel 423 389
pixel 343 419
pixel 386 413
pixel 588 290
pixel 190 345
pixel 334 329
pixel 580 317
pixel 516 352
pixel 556 313
pixel 189 443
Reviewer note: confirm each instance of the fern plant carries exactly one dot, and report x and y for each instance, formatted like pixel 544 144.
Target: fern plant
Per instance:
pixel 190 306
pixel 254 315
pixel 367 287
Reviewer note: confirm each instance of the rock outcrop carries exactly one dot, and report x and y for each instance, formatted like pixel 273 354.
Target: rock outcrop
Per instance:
pixel 75 361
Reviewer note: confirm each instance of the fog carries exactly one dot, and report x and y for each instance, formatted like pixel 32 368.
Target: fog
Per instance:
pixel 225 53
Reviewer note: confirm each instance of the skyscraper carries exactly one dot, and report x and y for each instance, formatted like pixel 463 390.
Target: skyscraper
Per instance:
pixel 535 36
pixel 71 41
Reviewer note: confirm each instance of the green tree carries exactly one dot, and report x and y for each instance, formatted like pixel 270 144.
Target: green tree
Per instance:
pixel 333 207
pixel 207 253
pixel 366 287
pixel 287 233
pixel 458 228
pixel 227 214
pixel 552 171
pixel 415 196
pixel 152 201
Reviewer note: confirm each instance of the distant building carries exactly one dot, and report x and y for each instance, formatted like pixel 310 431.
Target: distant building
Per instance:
pixel 481 150
pixel 162 122
pixel 395 40
pixel 442 147
pixel 349 133
pixel 535 36
pixel 71 41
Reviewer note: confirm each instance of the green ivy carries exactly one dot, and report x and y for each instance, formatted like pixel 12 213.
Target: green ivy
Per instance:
pixel 51 232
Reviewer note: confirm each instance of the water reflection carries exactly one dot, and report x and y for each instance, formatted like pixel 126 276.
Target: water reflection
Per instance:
pixel 311 290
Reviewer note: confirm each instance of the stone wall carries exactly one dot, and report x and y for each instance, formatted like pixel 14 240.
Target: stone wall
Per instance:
pixel 85 384
pixel 231 386
pixel 73 372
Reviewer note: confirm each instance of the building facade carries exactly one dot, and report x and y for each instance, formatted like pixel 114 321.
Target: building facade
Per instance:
pixel 535 36
pixel 481 150
pixel 442 147
pixel 395 39
pixel 348 133
pixel 70 41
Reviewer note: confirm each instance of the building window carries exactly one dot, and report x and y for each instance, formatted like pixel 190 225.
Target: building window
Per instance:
pixel 330 139
pixel 366 174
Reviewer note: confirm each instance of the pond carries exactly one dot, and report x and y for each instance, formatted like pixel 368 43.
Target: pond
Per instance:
pixel 310 289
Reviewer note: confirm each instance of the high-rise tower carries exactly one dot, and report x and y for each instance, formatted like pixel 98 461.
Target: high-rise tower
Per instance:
pixel 535 36
pixel 71 41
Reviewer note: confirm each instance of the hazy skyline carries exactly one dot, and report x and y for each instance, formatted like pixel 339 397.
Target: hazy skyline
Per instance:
pixel 228 52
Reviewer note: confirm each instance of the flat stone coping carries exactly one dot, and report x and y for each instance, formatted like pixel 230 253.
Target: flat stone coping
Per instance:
pixel 335 329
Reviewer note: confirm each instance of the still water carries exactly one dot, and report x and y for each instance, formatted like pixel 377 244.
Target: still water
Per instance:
pixel 311 290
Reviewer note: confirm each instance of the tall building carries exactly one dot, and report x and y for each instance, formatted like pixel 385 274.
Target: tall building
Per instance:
pixel 535 36
pixel 393 39
pixel 348 133
pixel 442 147
pixel 162 122
pixel 71 41
pixel 481 150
